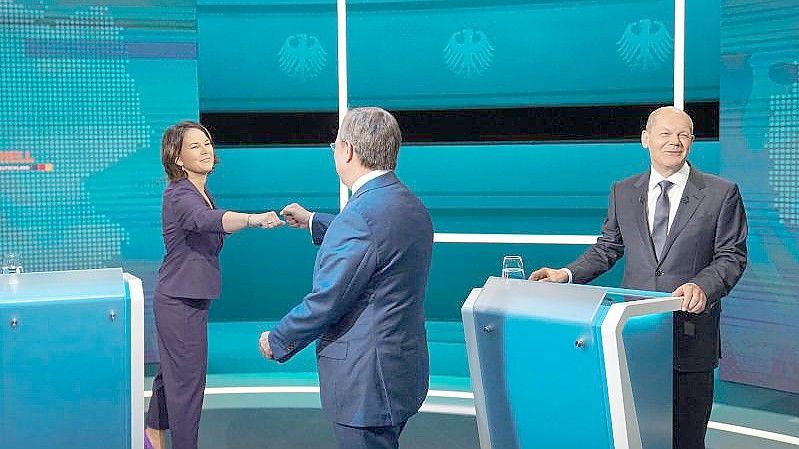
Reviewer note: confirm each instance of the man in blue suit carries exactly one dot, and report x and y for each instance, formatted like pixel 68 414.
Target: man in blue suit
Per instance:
pixel 366 308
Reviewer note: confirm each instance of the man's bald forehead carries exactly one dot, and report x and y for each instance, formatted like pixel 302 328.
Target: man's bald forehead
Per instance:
pixel 666 111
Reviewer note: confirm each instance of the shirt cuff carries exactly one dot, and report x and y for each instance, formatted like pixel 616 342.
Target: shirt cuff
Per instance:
pixel 569 272
pixel 310 224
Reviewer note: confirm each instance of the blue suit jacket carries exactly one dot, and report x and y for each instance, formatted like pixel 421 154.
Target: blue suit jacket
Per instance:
pixel 193 236
pixel 367 307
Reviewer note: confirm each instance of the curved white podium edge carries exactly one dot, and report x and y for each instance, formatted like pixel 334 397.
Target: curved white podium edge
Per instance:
pixel 136 360
pixel 623 416
pixel 467 314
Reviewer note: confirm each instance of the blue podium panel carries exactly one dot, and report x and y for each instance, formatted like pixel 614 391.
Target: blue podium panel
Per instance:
pixel 556 366
pixel 65 360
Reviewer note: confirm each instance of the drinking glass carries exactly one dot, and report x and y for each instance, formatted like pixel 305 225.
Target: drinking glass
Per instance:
pixel 512 267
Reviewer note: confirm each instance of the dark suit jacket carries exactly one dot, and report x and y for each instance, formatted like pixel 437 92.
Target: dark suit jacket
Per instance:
pixel 367 307
pixel 193 236
pixel 706 245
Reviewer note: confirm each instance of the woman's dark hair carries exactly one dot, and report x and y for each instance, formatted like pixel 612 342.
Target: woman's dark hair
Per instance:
pixel 172 143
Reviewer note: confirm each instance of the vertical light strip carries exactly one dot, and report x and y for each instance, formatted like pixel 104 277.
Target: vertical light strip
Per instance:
pixel 679 54
pixel 343 99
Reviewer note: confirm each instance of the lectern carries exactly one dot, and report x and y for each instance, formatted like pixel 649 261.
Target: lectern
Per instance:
pixel 570 366
pixel 71 360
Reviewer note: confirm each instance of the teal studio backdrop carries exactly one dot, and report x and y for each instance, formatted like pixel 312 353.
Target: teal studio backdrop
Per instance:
pixel 88 86
pixel 276 55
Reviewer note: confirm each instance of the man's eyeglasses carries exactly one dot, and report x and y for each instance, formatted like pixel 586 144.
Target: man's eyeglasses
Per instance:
pixel 333 147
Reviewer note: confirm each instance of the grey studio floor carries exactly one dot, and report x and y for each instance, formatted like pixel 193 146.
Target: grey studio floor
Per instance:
pixel 299 428
pixel 308 428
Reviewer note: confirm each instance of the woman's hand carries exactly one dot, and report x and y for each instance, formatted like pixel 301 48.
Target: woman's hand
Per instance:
pixel 265 220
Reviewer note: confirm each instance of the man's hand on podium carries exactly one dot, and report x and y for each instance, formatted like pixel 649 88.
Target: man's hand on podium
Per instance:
pixel 694 299
pixel 547 274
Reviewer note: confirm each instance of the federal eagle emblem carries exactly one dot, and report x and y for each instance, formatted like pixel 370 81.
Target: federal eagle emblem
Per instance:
pixel 302 56
pixel 645 45
pixel 468 53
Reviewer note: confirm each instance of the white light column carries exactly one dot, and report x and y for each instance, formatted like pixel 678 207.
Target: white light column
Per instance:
pixel 341 19
pixel 679 54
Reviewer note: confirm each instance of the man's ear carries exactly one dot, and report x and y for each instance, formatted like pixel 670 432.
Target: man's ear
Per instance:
pixel 645 139
pixel 350 154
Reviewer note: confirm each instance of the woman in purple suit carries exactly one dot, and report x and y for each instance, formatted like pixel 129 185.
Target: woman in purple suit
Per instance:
pixel 193 229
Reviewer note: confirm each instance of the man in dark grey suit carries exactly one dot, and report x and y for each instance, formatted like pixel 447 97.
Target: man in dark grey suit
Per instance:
pixel 683 231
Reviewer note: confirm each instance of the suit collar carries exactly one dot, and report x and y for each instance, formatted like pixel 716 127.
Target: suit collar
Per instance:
pixel 185 183
pixel 381 181
pixel 679 178
pixel 366 178
pixel 641 180
pixel 695 177
pixel 692 197
pixel 638 204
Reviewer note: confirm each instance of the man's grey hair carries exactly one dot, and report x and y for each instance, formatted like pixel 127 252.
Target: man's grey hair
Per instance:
pixel 374 134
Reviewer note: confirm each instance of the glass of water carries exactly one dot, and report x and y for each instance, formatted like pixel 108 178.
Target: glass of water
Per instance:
pixel 11 264
pixel 512 267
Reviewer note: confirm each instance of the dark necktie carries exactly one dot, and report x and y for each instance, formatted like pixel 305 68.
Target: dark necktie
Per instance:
pixel 660 226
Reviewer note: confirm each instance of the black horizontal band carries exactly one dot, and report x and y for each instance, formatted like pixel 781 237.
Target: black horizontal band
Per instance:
pixel 585 123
